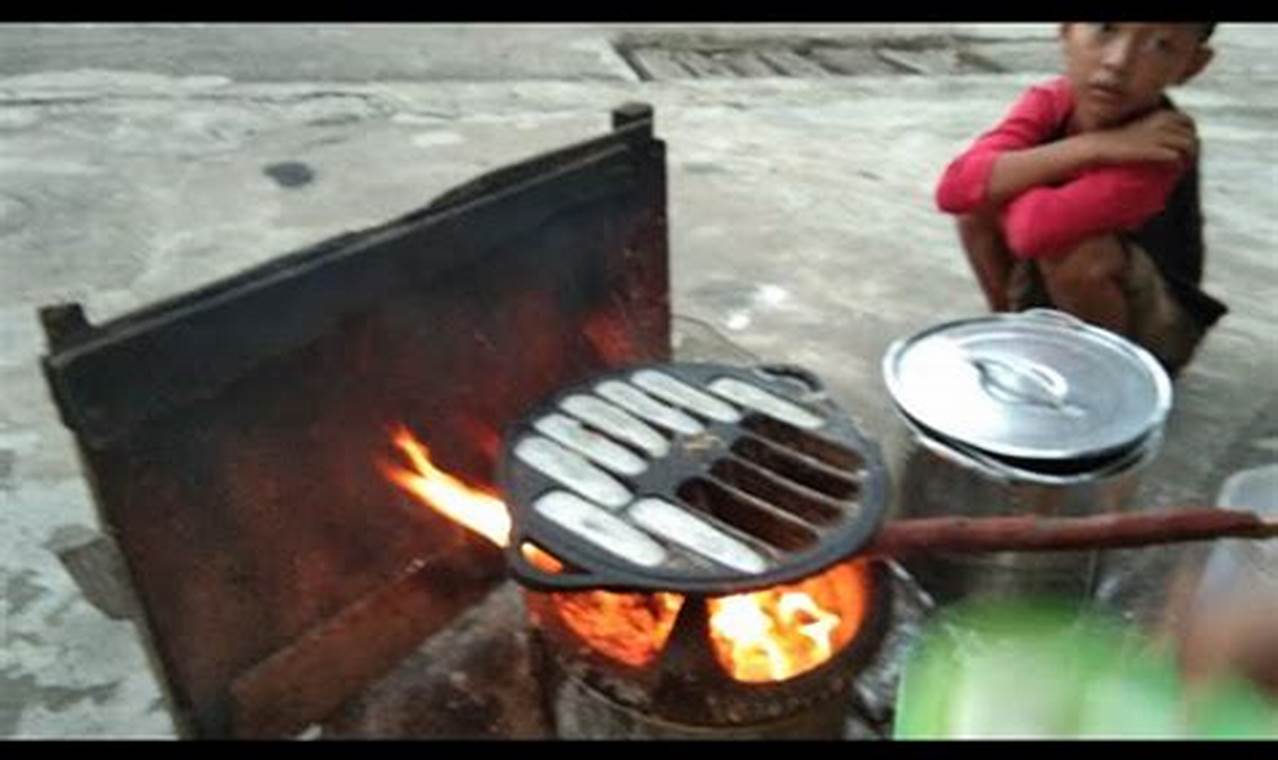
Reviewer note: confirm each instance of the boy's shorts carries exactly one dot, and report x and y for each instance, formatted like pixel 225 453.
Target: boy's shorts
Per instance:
pixel 1159 323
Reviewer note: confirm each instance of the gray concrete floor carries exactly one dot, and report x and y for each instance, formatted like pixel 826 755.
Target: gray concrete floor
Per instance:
pixel 802 228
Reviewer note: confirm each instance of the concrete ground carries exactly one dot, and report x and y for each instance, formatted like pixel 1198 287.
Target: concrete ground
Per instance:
pixel 802 228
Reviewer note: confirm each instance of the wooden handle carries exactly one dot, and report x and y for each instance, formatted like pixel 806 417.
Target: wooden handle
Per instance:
pixel 1032 533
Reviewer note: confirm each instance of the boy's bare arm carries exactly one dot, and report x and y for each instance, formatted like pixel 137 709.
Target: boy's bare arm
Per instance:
pixel 1163 135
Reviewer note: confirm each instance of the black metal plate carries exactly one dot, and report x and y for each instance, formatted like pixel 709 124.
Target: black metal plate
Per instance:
pixel 799 499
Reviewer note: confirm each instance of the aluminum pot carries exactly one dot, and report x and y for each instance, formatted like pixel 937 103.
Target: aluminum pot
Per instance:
pixel 1013 414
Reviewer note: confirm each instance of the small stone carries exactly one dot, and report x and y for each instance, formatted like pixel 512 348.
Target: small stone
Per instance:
pixel 290 173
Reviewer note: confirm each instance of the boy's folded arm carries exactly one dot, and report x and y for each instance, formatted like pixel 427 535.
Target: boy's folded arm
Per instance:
pixel 1047 221
pixel 1018 171
pixel 964 185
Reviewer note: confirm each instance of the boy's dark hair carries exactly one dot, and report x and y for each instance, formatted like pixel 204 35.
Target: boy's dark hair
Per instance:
pixel 1208 28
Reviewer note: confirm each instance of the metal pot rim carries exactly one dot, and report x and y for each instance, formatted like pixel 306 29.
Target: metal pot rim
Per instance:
pixel 1105 462
pixel 994 467
pixel 1047 318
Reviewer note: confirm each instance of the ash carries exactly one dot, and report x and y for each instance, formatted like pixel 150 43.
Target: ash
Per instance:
pixel 475 679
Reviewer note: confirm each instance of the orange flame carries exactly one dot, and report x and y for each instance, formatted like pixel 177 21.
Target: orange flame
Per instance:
pixel 781 632
pixel 540 559
pixel 629 628
pixel 473 508
pixel 769 635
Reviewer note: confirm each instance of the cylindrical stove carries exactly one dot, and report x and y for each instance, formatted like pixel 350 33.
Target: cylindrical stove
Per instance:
pixel 687 536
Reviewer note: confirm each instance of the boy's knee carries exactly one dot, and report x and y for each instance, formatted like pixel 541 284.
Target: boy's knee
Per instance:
pixel 1095 261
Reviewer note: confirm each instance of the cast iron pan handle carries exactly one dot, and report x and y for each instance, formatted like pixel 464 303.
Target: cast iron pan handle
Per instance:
pixel 796 373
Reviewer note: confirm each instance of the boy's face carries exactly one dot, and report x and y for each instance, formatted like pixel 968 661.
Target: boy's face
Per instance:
pixel 1119 71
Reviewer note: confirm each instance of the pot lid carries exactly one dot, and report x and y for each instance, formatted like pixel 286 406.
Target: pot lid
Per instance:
pixel 1038 385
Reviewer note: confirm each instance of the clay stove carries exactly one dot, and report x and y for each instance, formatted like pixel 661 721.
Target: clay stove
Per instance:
pixel 686 534
pixel 670 673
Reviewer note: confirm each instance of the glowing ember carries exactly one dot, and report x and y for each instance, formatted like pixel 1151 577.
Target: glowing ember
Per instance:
pixel 630 628
pixel 779 633
pixel 472 507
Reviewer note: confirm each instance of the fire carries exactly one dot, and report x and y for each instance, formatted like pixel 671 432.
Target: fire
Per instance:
pixel 540 559
pixel 795 608
pixel 766 636
pixel 629 628
pixel 781 632
pixel 473 508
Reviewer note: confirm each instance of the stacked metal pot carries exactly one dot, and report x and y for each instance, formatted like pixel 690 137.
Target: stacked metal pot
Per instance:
pixel 1014 414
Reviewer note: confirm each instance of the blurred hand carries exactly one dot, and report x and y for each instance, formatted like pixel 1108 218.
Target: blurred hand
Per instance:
pixel 1240 641
pixel 1164 135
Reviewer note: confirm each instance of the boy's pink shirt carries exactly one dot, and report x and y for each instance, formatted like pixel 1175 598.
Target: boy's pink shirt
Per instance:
pixel 1044 221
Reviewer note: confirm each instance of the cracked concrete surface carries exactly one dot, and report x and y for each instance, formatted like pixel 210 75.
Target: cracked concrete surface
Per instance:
pixel 138 163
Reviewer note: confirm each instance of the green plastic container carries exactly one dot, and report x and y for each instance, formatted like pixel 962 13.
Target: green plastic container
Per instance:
pixel 1022 671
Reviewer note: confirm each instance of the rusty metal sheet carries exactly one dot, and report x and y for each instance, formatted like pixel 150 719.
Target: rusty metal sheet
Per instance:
pixel 479 678
pixel 313 676
pixel 231 436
